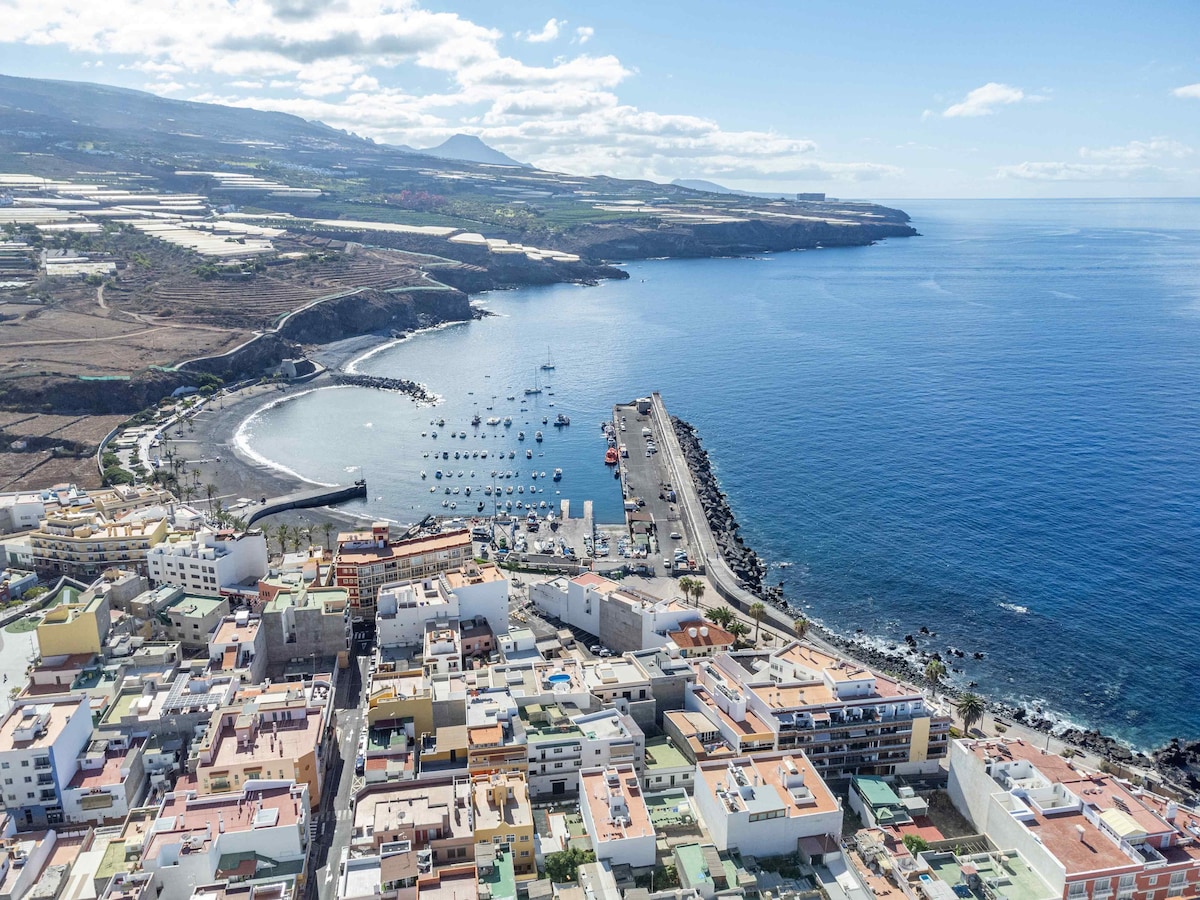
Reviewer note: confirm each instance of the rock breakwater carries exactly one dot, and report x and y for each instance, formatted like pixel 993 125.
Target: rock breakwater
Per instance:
pixel 378 382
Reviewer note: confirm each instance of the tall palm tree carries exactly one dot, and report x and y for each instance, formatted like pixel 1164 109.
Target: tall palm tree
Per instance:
pixel 210 491
pixel 800 626
pixel 685 585
pixel 282 532
pixel 721 615
pixel 328 529
pixel 757 611
pixel 196 473
pixel 697 590
pixel 971 708
pixel 935 671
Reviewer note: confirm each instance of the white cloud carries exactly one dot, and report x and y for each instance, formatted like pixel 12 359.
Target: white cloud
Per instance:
pixel 983 100
pixel 1140 151
pixel 548 33
pixel 353 65
pixel 1068 171
pixel 1188 91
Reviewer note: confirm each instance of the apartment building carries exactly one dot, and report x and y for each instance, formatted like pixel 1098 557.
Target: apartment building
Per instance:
pixel 624 619
pixel 432 816
pixel 848 720
pixel 768 805
pixel 77 625
pixel 239 644
pixel 367 560
pixel 615 816
pixel 208 563
pixel 277 732
pixel 84 544
pixel 468 593
pixel 40 744
pixel 254 835
pixel 304 620
pixel 110 779
pixel 503 818
pixel 1086 834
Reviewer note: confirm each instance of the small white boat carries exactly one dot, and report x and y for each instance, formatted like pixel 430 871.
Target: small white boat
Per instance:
pixel 520 435
pixel 432 489
pixel 422 474
pixel 538 437
pixel 508 490
pixel 520 488
pixel 453 505
pixel 529 454
pixel 445 503
pixel 507 421
pixel 558 474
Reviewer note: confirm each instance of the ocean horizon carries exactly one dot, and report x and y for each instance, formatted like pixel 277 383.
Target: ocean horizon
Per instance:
pixel 990 430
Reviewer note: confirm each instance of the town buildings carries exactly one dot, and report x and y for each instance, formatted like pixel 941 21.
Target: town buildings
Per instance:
pixel 208 563
pixel 367 560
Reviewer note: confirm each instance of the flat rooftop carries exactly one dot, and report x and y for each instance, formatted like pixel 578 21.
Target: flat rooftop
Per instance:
pixel 515 811
pixel 16 732
pixel 615 789
pixel 766 782
pixel 289 740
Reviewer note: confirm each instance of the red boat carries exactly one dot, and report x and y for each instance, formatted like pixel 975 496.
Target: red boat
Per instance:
pixel 610 456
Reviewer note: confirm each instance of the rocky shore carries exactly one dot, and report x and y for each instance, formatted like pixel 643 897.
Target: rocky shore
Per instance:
pixel 1175 767
pixel 401 385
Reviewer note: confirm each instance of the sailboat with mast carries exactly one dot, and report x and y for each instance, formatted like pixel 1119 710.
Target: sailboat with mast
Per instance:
pixel 537 386
pixel 548 365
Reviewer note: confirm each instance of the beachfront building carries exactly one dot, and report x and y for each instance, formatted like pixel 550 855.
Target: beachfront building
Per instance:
pixel 84 544
pixel 40 743
pixel 273 733
pixel 615 816
pixel 239 645
pixel 624 619
pixel 208 563
pixel 768 805
pixel 259 834
pixel 1086 834
pixel 847 719
pixel 367 560
pixel 503 818
pixel 110 779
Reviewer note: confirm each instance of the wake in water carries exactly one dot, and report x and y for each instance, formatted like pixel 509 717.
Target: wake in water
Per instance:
pixel 1015 608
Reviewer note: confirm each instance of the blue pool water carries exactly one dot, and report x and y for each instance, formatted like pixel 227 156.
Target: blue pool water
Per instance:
pixel 992 430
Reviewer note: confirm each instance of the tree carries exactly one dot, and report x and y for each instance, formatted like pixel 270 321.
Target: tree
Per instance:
pixel 697 590
pixel 282 531
pixel 328 529
pixel 210 491
pixel 915 844
pixel 935 671
pixel 738 629
pixel 685 585
pixel 971 708
pixel 757 611
pixel 720 615
pixel 800 626
pixel 562 867
pixel 196 473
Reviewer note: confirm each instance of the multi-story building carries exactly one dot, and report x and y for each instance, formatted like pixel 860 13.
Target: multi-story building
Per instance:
pixel 611 738
pixel 367 560
pixel 14 583
pixel 84 544
pixel 555 746
pixel 848 720
pixel 442 649
pixel 503 818
pixel 239 643
pixel 253 835
pixel 767 804
pixel 615 815
pixel 110 780
pixel 431 816
pixel 40 743
pixel 623 618
pixel 187 618
pixel 302 620
pixel 495 736
pixel 621 683
pixel 1086 834
pixel 208 563
pixel 278 732
pixel 116 502
pixel 472 592
pixel 75 626
pixel 665 766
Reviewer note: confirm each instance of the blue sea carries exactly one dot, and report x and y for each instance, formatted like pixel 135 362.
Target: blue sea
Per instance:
pixel 992 430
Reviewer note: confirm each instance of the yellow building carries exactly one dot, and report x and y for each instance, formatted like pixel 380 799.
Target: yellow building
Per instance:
pixel 275 733
pixel 82 545
pixel 399 696
pixel 78 624
pixel 504 818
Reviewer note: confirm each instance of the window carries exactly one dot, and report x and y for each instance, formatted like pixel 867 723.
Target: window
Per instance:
pixel 8 781
pixel 525 838
pixel 1178 883
pixel 3 765
pixel 524 852
pixel 558 765
pixel 28 779
pixel 24 764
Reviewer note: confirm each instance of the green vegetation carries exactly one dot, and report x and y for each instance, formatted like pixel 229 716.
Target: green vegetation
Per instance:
pixel 971 708
pixel 563 866
pixel 915 844
pixel 720 615
pixel 114 475
pixel 23 625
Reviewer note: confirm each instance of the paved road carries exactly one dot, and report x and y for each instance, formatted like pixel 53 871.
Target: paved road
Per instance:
pixel 336 817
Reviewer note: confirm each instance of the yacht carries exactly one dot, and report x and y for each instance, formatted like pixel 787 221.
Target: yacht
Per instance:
pixel 537 436
pixel 558 474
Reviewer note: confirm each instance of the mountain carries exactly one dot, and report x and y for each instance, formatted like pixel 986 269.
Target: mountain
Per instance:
pixel 470 148
pixel 699 184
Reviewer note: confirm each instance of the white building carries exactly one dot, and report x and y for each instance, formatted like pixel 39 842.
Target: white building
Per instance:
pixel 610 738
pixel 110 780
pixel 402 609
pixel 205 562
pixel 239 643
pixel 40 743
pixel 256 832
pixel 622 618
pixel 615 816
pixel 767 804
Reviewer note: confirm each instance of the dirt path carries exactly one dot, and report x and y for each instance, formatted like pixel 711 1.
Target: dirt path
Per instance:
pixel 100 297
pixel 91 340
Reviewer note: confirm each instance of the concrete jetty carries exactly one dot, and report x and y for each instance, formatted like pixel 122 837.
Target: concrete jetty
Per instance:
pixel 307 499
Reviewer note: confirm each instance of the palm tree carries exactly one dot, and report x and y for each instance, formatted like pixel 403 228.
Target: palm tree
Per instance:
pixel 210 491
pixel 971 709
pixel 697 590
pixel 196 473
pixel 800 626
pixel 935 671
pixel 720 615
pixel 738 629
pixel 757 611
pixel 687 584
pixel 328 529
pixel 282 531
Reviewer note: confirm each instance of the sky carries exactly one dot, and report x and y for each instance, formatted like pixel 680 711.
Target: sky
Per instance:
pixel 872 99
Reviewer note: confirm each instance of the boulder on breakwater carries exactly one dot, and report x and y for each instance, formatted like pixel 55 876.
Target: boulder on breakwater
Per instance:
pixel 378 382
